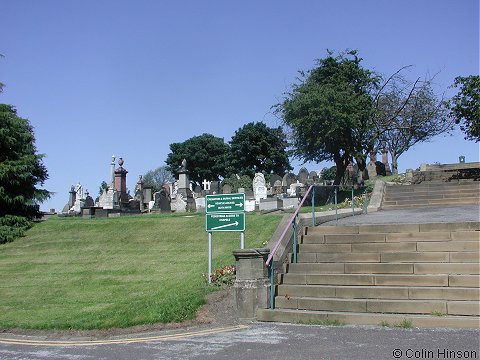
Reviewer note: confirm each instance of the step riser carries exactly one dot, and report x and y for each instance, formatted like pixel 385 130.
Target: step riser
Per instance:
pixel 381 228
pixel 402 257
pixel 389 238
pixel 383 280
pixel 466 308
pixel 384 292
pixel 385 268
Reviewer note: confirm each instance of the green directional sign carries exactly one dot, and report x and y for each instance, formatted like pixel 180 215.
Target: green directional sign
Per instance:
pixel 225 222
pixel 225 203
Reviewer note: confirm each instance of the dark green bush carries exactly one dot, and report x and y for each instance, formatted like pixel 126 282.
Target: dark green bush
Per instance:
pixel 12 227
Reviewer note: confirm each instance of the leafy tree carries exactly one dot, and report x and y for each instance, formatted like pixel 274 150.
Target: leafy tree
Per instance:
pixel 465 106
pixel 235 182
pixel 157 177
pixel 21 171
pixel 255 147
pixel 206 157
pixel 330 110
pixel 329 173
pixel 406 114
pixel 103 187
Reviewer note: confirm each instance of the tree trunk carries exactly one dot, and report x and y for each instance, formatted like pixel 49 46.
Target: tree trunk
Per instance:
pixel 394 157
pixel 362 165
pixel 341 166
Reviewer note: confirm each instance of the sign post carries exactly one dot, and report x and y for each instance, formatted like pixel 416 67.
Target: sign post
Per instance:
pixel 224 212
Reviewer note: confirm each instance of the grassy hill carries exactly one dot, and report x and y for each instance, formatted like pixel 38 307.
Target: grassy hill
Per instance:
pixel 72 273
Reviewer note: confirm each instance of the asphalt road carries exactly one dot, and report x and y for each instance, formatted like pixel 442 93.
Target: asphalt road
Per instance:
pixel 258 341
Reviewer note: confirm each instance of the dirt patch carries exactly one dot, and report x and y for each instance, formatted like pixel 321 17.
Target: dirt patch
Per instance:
pixel 219 311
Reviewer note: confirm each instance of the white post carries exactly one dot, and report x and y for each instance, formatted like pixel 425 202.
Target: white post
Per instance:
pixel 242 240
pixel 112 173
pixel 209 257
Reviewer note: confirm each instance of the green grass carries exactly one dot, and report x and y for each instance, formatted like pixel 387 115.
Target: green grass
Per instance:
pixel 71 273
pixel 405 324
pixel 325 322
pixel 438 313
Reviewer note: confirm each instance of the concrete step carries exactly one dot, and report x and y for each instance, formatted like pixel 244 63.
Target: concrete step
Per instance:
pixel 319 317
pixel 389 257
pixel 442 280
pixel 385 268
pixel 382 280
pixel 389 237
pixel 311 257
pixel 364 305
pixel 450 268
pixel 380 292
pixel 431 195
pixel 433 186
pixel 393 228
pixel 464 280
pixel 427 192
pixel 430 202
pixel 451 246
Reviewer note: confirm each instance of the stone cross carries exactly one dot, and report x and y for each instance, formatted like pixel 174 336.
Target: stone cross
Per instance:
pixel 206 184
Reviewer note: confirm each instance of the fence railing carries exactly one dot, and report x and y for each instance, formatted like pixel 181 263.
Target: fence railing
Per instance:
pixel 293 222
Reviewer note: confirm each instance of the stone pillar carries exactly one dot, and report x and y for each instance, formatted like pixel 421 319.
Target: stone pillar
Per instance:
pixel 139 192
pixel 112 173
pixel 251 286
pixel 121 182
pixel 72 197
pixel 385 162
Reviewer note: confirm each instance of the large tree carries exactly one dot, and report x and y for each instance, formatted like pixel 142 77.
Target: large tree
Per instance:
pixel 465 106
pixel 329 112
pixel 255 147
pixel 157 177
pixel 206 157
pixel 407 113
pixel 21 172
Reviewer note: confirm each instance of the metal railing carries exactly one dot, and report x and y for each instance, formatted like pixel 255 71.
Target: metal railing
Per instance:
pixel 293 222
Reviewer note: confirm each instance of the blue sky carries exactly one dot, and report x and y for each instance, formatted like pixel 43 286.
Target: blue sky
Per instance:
pixel 129 78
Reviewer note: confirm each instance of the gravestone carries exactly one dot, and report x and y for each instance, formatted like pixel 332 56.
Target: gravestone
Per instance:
pixel 72 197
pixel 200 203
pixel 313 176
pixel 198 190
pixel 215 187
pixel 89 202
pixel 226 189
pixel 277 187
pixel 259 188
pixel 274 178
pixel 241 190
pixel 303 175
pixel 269 204
pixel 164 201
pixel 288 179
pixel 249 205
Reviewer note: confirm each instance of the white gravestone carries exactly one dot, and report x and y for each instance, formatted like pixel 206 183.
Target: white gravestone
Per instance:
pixel 259 187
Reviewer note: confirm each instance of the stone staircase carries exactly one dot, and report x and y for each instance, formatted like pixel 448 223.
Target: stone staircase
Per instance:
pixel 427 274
pixel 432 193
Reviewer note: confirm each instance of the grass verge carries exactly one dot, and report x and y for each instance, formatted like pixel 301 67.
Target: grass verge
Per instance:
pixel 70 273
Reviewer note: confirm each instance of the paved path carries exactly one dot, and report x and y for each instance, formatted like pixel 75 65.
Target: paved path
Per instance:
pixel 261 341
pixel 415 216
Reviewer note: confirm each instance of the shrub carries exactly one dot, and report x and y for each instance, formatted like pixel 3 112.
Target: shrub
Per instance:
pixel 12 227
pixel 222 276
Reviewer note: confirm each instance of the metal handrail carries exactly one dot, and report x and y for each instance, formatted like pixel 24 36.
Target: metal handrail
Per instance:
pixel 295 214
pixel 292 221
